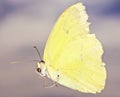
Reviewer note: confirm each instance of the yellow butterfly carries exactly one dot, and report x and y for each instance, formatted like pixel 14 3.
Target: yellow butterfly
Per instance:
pixel 72 56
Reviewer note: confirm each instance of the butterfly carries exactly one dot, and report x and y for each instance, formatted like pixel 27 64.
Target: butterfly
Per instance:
pixel 73 56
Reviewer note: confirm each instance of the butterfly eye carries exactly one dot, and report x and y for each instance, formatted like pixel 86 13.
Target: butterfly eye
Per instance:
pixel 39 70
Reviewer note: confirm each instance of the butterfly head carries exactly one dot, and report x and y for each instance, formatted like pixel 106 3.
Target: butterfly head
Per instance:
pixel 41 68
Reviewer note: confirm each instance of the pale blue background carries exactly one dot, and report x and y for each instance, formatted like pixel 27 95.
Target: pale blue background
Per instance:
pixel 24 23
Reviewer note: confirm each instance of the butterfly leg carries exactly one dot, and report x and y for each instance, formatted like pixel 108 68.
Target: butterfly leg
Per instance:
pixel 55 83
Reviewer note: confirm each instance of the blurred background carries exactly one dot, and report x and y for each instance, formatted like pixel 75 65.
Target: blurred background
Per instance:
pixel 25 23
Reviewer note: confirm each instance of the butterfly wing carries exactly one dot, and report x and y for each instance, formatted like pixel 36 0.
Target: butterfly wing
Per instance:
pixel 75 55
pixel 72 21
pixel 80 66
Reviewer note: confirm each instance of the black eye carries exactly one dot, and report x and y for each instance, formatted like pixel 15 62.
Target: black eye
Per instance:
pixel 39 70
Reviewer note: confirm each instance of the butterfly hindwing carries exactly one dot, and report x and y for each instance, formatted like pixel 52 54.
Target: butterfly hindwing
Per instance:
pixel 81 65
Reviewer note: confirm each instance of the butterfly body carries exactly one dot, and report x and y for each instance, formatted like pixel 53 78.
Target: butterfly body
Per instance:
pixel 72 56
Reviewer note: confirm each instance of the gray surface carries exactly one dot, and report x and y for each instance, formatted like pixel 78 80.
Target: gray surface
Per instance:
pixel 24 23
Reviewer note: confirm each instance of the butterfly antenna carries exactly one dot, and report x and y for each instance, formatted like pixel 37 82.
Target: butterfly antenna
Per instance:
pixel 38 52
pixel 19 62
